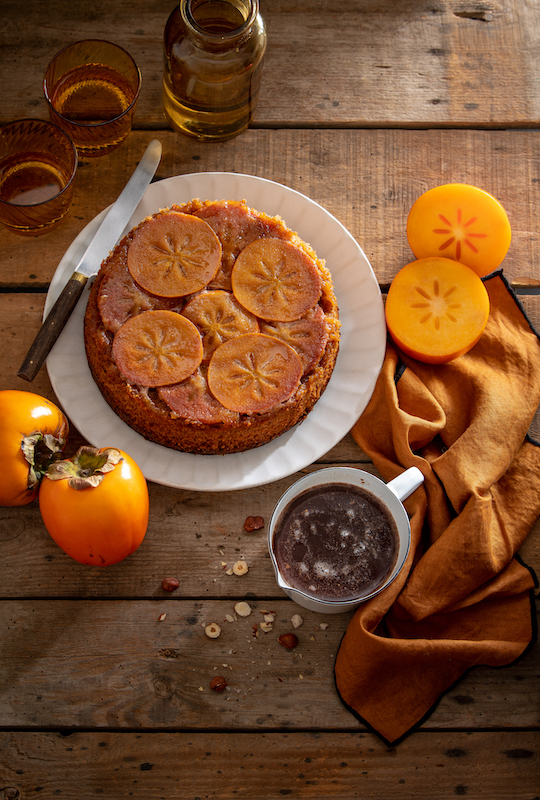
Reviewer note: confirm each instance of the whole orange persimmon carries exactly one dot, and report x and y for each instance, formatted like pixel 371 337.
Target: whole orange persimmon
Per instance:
pixel 95 505
pixel 32 431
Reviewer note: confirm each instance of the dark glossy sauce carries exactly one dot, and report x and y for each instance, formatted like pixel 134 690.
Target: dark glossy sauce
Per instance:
pixel 336 542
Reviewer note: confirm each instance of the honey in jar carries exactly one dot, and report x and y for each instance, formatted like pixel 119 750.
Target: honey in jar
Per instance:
pixel 214 53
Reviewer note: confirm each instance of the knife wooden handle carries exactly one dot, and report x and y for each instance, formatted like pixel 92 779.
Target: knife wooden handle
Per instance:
pixel 52 327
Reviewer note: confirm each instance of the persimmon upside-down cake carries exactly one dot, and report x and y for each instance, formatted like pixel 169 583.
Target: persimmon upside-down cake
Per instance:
pixel 212 327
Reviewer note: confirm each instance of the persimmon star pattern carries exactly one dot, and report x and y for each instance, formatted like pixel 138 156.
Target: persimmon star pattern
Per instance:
pixel 458 233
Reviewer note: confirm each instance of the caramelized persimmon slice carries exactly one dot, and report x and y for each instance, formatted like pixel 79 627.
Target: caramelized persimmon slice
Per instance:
pixel 192 400
pixel 308 336
pixel 436 309
pixel 174 254
pixel 276 280
pixel 157 348
pixel 254 372
pixel 236 226
pixel 219 317
pixel 121 298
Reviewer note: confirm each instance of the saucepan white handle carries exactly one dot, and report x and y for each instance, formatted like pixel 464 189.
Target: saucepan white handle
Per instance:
pixel 405 484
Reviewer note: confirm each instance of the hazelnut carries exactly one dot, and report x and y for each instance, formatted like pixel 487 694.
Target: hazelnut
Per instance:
pixel 169 584
pixel 253 524
pixel 213 630
pixel 288 640
pixel 218 684
pixel 240 568
pixel 296 620
pixel 243 609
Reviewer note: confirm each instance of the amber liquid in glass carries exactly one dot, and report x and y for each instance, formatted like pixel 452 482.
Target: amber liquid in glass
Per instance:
pixel 212 93
pixel 93 98
pixel 27 182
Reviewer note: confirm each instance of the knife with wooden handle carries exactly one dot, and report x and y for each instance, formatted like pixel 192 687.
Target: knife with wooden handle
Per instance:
pixel 99 248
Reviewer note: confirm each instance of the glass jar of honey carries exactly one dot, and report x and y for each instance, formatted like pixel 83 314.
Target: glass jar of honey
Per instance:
pixel 214 53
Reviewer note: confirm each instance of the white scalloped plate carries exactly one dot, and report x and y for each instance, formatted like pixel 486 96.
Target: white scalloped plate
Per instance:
pixel 363 337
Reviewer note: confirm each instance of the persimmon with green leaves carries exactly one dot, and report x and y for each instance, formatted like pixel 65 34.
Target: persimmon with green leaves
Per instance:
pixel 33 432
pixel 95 505
pixel 462 223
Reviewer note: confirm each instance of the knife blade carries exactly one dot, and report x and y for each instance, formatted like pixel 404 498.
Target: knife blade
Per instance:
pixel 99 248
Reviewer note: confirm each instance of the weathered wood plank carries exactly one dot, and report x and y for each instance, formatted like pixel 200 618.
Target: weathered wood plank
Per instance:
pixel 79 766
pixel 373 64
pixel 367 179
pixel 114 664
pixel 192 536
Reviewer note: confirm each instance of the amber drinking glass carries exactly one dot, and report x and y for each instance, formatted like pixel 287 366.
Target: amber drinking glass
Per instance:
pixel 92 89
pixel 38 162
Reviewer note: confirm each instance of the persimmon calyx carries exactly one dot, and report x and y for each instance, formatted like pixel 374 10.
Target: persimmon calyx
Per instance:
pixel 87 468
pixel 40 450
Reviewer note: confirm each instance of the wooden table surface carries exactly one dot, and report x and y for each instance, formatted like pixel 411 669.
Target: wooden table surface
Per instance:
pixel 364 105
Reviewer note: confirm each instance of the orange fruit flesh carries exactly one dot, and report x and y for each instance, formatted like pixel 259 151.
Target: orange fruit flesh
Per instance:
pixel 253 372
pixel 436 309
pixel 174 254
pixel 219 317
pixel 157 348
pixel 276 280
pixel 460 222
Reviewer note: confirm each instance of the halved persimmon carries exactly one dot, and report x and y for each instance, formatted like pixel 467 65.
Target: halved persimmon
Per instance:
pixel 254 372
pixel 276 280
pixel 157 348
pixel 174 254
pixel 436 309
pixel 460 222
pixel 307 335
pixel 219 316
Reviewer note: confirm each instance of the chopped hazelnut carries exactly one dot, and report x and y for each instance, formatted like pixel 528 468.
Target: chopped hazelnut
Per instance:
pixel 266 626
pixel 296 620
pixel 243 609
pixel 253 524
pixel 288 640
pixel 218 684
pixel 240 568
pixel 213 630
pixel 169 584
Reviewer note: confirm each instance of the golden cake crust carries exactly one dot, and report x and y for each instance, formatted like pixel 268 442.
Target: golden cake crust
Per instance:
pixel 144 408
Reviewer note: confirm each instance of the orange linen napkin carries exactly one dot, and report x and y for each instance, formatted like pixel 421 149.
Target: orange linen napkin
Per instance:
pixel 463 598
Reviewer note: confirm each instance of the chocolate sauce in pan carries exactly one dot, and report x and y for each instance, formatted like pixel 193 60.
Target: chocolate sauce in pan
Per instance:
pixel 336 541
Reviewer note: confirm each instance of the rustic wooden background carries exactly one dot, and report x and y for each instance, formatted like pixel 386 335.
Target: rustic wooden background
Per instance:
pixel 364 105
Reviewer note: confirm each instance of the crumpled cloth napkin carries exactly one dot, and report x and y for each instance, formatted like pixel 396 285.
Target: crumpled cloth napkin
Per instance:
pixel 463 598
